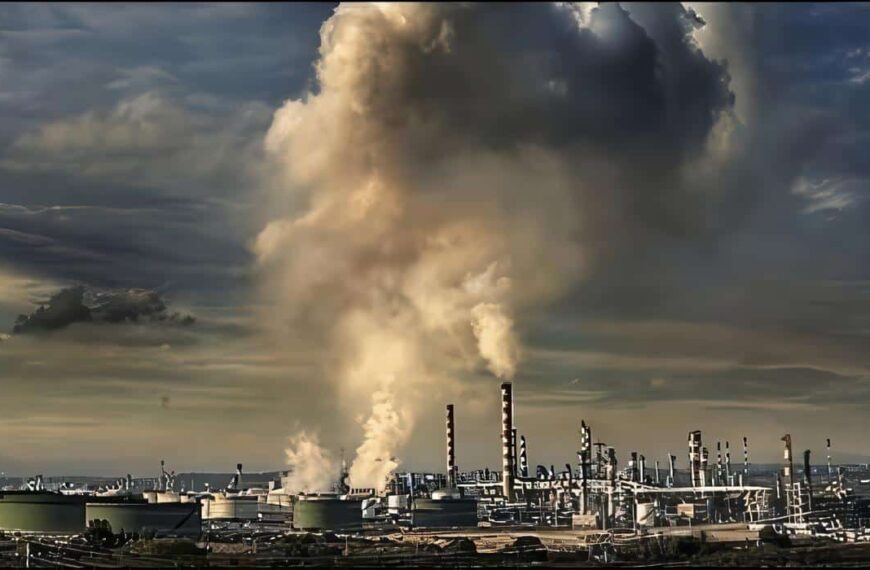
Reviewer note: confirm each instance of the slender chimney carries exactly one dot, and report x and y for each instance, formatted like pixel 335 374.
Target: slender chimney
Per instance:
pixel 515 450
pixel 507 425
pixel 524 458
pixel 808 477
pixel 451 448
pixel 671 469
pixel 632 466
pixel 788 469
pixel 830 472
pixel 727 463
pixel 238 475
pixel 745 457
pixel 658 480
pixel 788 473
pixel 718 480
pixel 585 454
pixel 696 478
pixel 705 461
pixel 641 469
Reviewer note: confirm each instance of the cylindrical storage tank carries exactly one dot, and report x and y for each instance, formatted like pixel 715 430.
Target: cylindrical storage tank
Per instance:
pixel 168 497
pixel 41 511
pixel 445 513
pixel 326 513
pixel 165 519
pixel 230 507
pixel 275 507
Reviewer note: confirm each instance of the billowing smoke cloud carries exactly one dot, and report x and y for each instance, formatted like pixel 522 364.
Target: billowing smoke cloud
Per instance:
pixel 79 304
pixel 450 176
pixel 312 468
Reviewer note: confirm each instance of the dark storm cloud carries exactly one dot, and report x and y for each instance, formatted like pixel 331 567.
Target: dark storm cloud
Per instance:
pixel 624 87
pixel 125 133
pixel 77 304
pixel 789 204
pixel 141 239
pixel 63 309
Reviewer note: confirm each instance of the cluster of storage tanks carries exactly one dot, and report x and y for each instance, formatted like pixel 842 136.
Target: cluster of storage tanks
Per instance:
pixel 344 513
pixel 162 512
pixel 171 514
pixel 56 513
pixel 166 512
pixel 443 508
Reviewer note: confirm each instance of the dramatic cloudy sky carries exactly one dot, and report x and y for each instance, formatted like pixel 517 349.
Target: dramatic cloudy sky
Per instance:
pixel 249 222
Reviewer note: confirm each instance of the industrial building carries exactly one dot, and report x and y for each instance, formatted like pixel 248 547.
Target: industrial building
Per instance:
pixel 593 493
pixel 596 493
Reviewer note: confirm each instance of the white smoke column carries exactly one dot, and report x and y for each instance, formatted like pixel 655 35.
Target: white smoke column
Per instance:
pixel 495 338
pixel 313 469
pixel 448 176
pixel 383 432
pixel 389 278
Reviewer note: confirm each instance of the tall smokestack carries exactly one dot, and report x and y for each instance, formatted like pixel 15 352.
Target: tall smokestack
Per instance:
pixel 451 448
pixel 585 453
pixel 671 468
pixel 585 456
pixel 808 477
pixel 745 457
pixel 695 472
pixel 515 447
pixel 658 480
pixel 727 463
pixel 705 460
pixel 828 448
pixel 507 449
pixel 718 480
pixel 788 473
pixel 524 458
pixel 788 469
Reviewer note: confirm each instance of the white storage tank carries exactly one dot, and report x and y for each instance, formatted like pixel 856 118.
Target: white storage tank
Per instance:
pixel 231 507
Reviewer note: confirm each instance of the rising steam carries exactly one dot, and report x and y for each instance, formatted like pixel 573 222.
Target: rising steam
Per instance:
pixel 449 175
pixel 495 338
pixel 383 431
pixel 312 468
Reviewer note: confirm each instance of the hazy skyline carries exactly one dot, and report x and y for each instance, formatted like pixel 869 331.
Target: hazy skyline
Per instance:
pixel 652 217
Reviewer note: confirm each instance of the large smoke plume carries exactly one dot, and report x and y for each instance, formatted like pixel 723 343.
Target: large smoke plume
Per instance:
pixel 459 167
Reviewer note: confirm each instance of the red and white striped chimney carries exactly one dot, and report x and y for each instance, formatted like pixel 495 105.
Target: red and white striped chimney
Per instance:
pixel 507 448
pixel 451 448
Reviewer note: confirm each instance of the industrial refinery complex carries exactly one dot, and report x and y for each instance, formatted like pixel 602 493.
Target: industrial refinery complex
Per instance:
pixel 710 506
